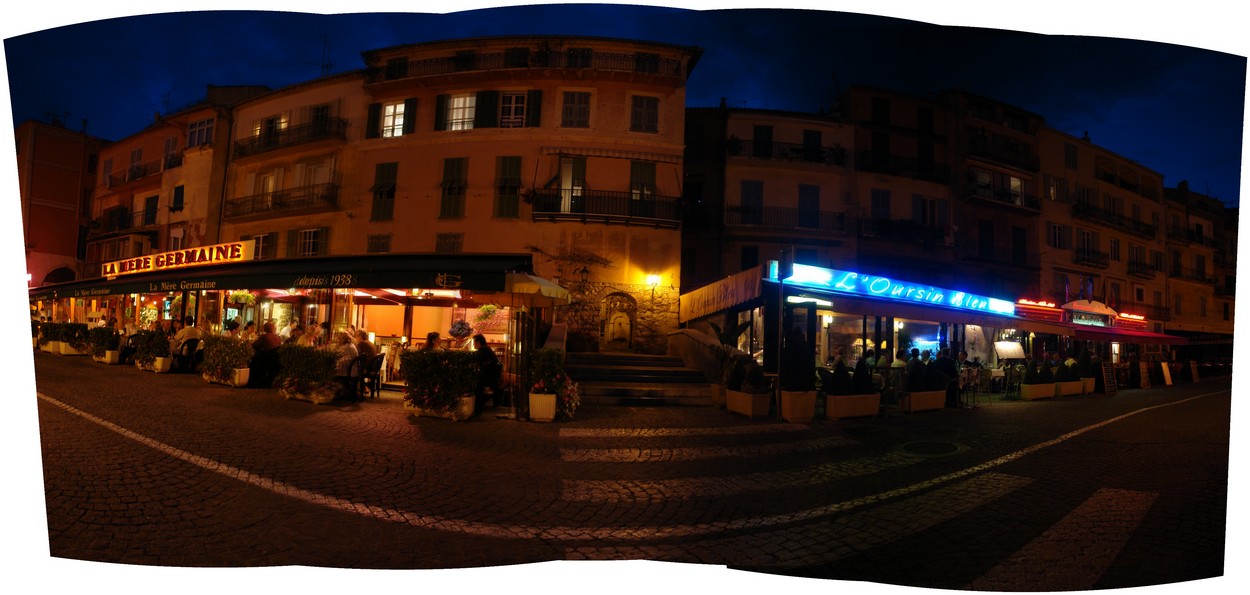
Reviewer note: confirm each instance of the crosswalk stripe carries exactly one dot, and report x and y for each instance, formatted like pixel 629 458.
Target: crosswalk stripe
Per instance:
pixel 1094 532
pixel 574 490
pixel 655 455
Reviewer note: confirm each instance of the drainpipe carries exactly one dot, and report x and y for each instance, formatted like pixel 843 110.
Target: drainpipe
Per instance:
pixel 225 173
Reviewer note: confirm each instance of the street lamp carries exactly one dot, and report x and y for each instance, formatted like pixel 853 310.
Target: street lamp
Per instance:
pixel 653 281
pixel 583 274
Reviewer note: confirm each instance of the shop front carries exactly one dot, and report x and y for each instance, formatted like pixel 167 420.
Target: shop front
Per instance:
pixel 393 297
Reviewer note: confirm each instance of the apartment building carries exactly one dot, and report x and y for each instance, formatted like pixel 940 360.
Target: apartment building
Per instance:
pixel 1200 283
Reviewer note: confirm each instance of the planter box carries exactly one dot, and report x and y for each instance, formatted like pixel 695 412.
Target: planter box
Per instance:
pixel 798 406
pixel 109 357
pixel 67 349
pixel 319 396
pixel 238 378
pixel 718 395
pixel 923 401
pixel 543 407
pixel 162 365
pixel 1030 392
pixel 1068 388
pixel 460 413
pixel 749 404
pixel 52 347
pixel 840 406
pixel 1087 386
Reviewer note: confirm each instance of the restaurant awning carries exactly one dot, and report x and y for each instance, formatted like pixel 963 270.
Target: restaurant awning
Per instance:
pixel 535 291
pixel 1123 335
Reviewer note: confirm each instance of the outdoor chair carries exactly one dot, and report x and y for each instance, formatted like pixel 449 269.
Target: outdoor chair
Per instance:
pixel 188 355
pixel 370 378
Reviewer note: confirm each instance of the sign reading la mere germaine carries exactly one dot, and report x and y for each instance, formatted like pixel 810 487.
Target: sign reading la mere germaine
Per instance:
pixel 178 259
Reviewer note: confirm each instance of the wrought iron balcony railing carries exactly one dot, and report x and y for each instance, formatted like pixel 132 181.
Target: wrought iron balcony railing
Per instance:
pixel 997 256
pixel 1096 214
pixel 1141 268
pixel 1003 196
pixel 1009 153
pixel 135 172
pixel 903 166
pixel 331 128
pixel 526 59
pixel 122 220
pixel 780 218
pixel 284 202
pixel 641 208
pixel 1090 257
pixel 905 231
pixel 776 151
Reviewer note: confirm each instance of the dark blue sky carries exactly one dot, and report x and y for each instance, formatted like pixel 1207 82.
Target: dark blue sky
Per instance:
pixel 1173 108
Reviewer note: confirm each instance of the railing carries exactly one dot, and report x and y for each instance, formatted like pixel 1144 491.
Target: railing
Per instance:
pixel 904 231
pixel 1003 196
pixel 903 166
pixel 1090 257
pixel 470 62
pixel 1180 234
pixel 317 196
pixel 1152 313
pixel 605 206
pixel 997 256
pixel 123 220
pixel 1004 152
pixel 1141 268
pixel 173 160
pixel 780 218
pixel 777 151
pixel 135 172
pixel 1089 212
pixel 332 128
pixel 1192 274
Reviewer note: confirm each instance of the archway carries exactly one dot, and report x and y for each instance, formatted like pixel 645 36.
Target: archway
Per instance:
pixel 617 315
pixel 59 275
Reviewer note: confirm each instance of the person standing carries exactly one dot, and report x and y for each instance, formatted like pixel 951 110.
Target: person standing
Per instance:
pixel 264 364
pixel 488 373
pixel 950 370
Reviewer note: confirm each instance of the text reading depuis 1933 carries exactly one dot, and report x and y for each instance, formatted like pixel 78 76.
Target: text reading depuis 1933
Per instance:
pixel 337 280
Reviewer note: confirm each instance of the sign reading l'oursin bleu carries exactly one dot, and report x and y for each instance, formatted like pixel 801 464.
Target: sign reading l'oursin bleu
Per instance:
pixel 178 259
pixel 878 286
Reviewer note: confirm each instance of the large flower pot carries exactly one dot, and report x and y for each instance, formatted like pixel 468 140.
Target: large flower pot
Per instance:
pixel 1029 392
pixel 162 365
pixel 718 395
pixel 52 347
pixel 1068 388
pixel 542 407
pixel 751 405
pixel 1087 386
pixel 798 406
pixel 923 401
pixel 67 349
pixel 238 377
pixel 462 411
pixel 112 356
pixel 840 406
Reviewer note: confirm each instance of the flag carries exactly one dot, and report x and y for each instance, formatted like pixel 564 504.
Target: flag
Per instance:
pixel 1067 290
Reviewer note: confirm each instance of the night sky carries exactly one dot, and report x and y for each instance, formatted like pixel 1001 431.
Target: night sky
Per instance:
pixel 1174 102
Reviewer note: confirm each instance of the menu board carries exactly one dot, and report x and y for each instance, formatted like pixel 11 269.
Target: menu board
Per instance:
pixel 1167 373
pixel 1193 370
pixel 1108 379
pixel 1144 374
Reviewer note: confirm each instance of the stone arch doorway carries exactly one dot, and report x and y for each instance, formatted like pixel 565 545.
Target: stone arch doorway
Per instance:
pixel 59 275
pixel 617 315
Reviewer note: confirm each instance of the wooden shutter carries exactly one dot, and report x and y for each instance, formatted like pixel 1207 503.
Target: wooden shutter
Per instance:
pixel 486 110
pixel 373 127
pixel 440 112
pixel 533 108
pixel 323 241
pixel 410 115
pixel 292 243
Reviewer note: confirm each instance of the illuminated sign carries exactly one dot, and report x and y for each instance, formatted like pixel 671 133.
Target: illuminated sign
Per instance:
pixel 884 287
pixel 1027 302
pixel 1133 316
pixel 178 259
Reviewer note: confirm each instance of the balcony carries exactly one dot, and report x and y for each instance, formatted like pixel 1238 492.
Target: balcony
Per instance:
pixel 898 165
pixel 648 64
pixel 135 172
pixel 334 128
pixel 1141 269
pixel 1002 196
pixel 1090 257
pixel 1152 313
pixel 997 256
pixel 1092 213
pixel 1192 274
pixel 783 219
pixel 775 151
pixel 1006 153
pixel 600 206
pixel 305 199
pixel 904 231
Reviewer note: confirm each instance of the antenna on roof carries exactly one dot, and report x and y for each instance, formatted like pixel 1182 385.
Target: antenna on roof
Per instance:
pixel 326 64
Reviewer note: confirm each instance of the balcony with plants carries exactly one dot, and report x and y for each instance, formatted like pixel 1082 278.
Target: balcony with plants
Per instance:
pixel 604 206
pixel 300 134
pixel 313 198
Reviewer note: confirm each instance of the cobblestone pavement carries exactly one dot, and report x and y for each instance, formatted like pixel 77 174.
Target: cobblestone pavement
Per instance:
pixel 1075 493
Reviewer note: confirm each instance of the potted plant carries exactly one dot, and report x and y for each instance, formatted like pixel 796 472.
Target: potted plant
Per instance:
pixel 439 383
pixel 460 331
pixel 747 391
pixel 851 396
pixel 50 337
pixel 306 373
pixel 1067 380
pixel 798 380
pixel 105 345
pixel 152 352
pixel 548 386
pixel 226 360
pixel 727 339
pixel 75 339
pixel 1038 382
pixel 931 394
pixel 241 297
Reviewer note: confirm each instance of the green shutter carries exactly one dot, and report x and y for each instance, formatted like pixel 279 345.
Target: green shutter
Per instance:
pixel 271 245
pixel 486 110
pixel 323 241
pixel 440 112
pixel 410 115
pixel 373 126
pixel 292 242
pixel 533 108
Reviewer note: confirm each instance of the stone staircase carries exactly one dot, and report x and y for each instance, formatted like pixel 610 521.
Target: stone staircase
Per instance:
pixel 636 379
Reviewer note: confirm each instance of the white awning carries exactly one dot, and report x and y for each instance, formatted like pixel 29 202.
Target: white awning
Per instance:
pixel 535 291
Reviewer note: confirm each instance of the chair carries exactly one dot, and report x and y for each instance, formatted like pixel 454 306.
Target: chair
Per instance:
pixel 371 377
pixel 351 383
pixel 187 355
pixel 985 383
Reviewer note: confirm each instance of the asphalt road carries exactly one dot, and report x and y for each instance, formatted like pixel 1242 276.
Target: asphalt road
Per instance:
pixel 1077 493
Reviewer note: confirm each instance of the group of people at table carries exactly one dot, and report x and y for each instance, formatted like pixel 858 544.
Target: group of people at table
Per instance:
pixel 912 371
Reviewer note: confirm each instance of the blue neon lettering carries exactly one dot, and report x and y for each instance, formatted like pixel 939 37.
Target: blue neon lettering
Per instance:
pixel 843 282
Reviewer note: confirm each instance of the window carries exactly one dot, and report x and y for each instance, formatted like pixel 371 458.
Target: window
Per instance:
pixel 1176 304
pixel 1114 249
pixel 449 243
pixel 1086 238
pixel 179 196
pixel 455 182
pixel 136 157
pixel 930 211
pixel 1156 260
pixel 378 242
pixel 644 114
pixel 809 206
pixel 1136 253
pixel 508 187
pixel 150 205
pixel 752 202
pixel 392 119
pixel 200 132
pixel 646 62
pixel 1057 236
pixel 575 110
pixel 1200 265
pixel 266 245
pixel 1202 306
pixel 176 237
pixel 171 147
pixel 384 176
pixel 641 179
pixel 460 111
pixel 511 110
pixel 762 141
pixel 307 242
pixel 880 204
pixel 107 172
pixel 580 57
pixel 572 182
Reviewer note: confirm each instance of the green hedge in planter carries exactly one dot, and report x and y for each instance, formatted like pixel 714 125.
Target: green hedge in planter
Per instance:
pixel 304 369
pixel 223 354
pixel 76 335
pixel 151 345
pixel 437 378
pixel 51 332
pixel 103 339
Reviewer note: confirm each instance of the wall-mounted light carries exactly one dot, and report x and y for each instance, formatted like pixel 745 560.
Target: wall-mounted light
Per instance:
pixel 583 275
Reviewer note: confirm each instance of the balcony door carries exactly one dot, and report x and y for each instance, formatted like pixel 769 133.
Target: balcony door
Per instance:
pixel 572 182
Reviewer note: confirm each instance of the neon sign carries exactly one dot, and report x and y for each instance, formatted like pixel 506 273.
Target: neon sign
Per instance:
pixel 178 259
pixel 1028 302
pixel 1133 316
pixel 877 286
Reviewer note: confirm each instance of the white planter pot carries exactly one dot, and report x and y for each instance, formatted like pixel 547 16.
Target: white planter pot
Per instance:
pixel 749 404
pixel 542 407
pixel 798 406
pixel 52 347
pixel 1087 386
pixel 109 357
pixel 1068 388
pixel 462 412
pixel 923 401
pixel 162 365
pixel 67 349
pixel 1030 392
pixel 718 395
pixel 238 378
pixel 840 406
